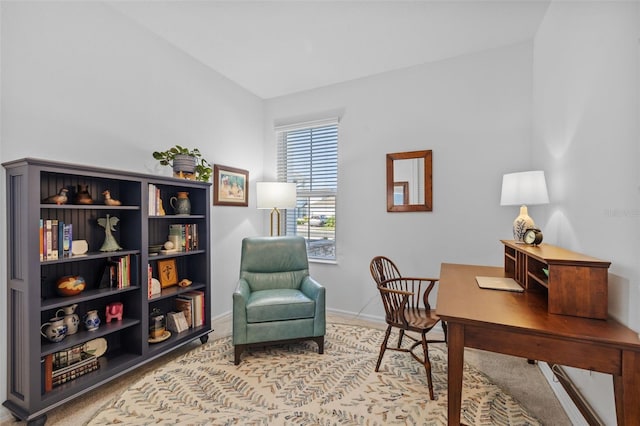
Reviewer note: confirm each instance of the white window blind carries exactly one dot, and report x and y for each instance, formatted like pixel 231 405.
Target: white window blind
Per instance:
pixel 308 156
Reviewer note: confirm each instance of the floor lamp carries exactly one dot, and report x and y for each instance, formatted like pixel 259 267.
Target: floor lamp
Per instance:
pixel 521 189
pixel 274 196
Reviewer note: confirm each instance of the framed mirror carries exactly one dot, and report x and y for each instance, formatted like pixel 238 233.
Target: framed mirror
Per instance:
pixel 409 181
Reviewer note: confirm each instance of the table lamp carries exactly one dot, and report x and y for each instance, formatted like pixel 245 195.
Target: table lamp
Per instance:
pixel 274 196
pixel 521 189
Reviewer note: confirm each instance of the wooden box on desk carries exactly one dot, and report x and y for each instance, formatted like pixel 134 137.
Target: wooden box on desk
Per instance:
pixel 577 285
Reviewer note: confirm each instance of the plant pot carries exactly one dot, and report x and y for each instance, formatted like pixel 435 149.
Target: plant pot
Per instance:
pixel 184 163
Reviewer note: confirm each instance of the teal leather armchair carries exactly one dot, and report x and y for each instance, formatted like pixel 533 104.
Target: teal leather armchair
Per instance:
pixel 276 301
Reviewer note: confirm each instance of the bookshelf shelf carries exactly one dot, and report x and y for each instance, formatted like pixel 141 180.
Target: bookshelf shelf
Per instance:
pixel 121 276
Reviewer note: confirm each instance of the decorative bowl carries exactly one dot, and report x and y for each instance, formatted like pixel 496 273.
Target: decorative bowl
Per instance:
pixel 70 285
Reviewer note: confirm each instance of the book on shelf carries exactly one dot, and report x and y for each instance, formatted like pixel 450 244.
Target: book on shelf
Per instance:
pixel 47 240
pixel 117 272
pixel 198 306
pixel 41 240
pixel 185 305
pixel 67 238
pixel 55 239
pixel 187 233
pixel 86 364
pixel 177 322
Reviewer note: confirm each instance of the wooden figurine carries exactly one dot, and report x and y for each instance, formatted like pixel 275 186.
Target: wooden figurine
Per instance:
pixel 108 200
pixel 59 198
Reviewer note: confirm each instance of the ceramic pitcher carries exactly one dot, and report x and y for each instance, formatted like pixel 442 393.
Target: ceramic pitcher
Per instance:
pixel 54 330
pixel 71 319
pixel 181 204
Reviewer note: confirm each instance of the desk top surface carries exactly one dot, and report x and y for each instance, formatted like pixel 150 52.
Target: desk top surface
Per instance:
pixel 462 301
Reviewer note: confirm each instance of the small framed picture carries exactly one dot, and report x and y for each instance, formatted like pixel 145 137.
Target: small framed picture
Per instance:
pixel 230 186
pixel 167 272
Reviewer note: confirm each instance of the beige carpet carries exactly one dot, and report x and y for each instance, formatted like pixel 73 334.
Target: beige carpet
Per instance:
pixel 293 385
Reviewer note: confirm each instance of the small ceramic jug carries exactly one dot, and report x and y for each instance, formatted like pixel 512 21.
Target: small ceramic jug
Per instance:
pixel 181 204
pixel 54 330
pixel 91 320
pixel 71 319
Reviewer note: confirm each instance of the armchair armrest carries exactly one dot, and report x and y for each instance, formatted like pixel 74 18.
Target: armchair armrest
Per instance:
pixel 314 290
pixel 240 297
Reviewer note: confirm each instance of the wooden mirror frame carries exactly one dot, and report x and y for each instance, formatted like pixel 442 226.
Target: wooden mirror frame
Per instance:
pixel 427 206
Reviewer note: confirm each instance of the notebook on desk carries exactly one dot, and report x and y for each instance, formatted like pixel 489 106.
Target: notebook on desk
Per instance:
pixel 499 283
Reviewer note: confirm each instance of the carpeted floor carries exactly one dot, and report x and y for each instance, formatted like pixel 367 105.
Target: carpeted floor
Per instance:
pixel 293 385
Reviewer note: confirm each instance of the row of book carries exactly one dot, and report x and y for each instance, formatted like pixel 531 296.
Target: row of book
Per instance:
pixel 186 234
pixel 192 304
pixel 67 365
pixel 155 202
pixel 117 272
pixel 55 239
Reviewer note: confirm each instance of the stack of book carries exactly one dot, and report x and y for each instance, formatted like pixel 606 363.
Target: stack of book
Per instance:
pixel 55 239
pixel 67 365
pixel 192 304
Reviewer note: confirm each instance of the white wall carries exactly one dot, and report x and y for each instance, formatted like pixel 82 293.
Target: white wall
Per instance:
pixel 585 135
pixel 82 83
pixel 474 112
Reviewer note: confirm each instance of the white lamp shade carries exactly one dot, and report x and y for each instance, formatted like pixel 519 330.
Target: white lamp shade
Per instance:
pixel 281 195
pixel 524 188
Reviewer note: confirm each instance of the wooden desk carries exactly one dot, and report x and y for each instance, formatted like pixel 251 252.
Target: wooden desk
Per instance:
pixel 518 324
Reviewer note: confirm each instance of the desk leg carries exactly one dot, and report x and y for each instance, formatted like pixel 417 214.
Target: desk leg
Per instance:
pixel 627 389
pixel 455 359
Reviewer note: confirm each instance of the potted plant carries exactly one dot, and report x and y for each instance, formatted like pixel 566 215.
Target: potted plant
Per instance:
pixel 187 163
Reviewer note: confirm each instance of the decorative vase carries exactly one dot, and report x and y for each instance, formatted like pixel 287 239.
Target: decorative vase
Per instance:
pixel 181 204
pixel 71 319
pixel 91 320
pixel 54 330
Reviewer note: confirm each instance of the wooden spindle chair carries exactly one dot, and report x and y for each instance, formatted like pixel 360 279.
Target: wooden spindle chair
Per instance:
pixel 407 308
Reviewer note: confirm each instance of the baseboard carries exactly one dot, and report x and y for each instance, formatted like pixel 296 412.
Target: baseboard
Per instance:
pixel 574 414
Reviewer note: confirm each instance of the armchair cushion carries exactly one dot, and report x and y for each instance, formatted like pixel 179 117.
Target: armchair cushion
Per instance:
pixel 279 305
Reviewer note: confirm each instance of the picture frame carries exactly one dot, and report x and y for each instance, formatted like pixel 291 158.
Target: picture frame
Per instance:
pixel 167 272
pixel 230 186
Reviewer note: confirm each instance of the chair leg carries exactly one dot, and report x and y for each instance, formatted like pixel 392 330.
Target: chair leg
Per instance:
pixel 400 337
pixel 444 328
pixel 427 364
pixel 383 347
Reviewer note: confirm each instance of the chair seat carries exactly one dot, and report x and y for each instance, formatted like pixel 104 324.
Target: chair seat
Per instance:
pixel 279 305
pixel 421 319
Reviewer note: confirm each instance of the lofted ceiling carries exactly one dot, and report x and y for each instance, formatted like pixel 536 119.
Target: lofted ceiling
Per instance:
pixel 275 48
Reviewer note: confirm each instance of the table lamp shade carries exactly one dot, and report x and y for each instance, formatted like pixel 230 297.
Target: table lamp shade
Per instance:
pixel 274 196
pixel 521 189
pixel 281 195
pixel 524 188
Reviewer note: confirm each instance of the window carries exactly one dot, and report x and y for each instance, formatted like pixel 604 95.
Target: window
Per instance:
pixel 308 156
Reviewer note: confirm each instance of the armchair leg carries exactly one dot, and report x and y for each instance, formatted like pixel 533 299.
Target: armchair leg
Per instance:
pixel 238 349
pixel 320 341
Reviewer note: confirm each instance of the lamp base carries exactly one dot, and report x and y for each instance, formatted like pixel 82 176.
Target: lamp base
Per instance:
pixel 522 223
pixel 275 212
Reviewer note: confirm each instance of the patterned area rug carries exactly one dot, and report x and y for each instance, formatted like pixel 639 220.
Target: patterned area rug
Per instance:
pixel 294 385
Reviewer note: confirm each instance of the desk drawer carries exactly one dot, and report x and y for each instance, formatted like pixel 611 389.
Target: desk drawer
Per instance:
pixel 573 353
